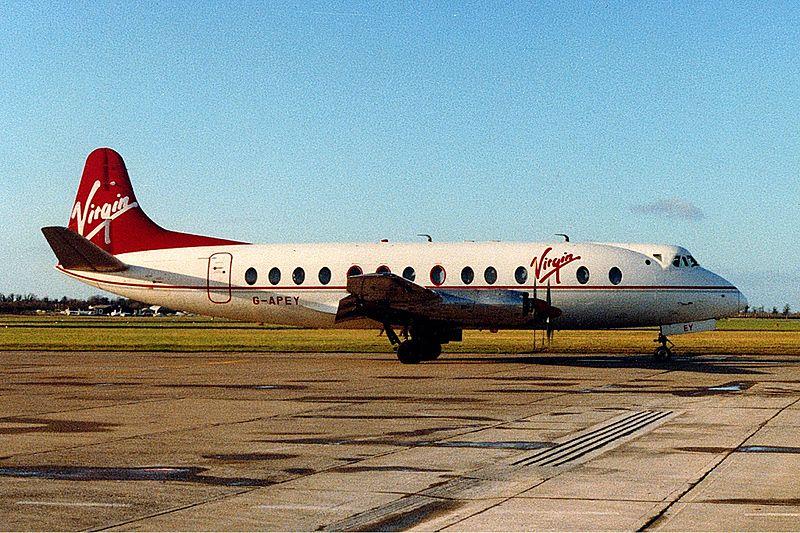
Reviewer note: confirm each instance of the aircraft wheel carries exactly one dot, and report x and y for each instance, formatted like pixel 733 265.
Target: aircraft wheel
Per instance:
pixel 431 351
pixel 663 353
pixel 409 352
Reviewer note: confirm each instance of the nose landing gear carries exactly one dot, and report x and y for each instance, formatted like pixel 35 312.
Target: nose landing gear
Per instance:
pixel 663 353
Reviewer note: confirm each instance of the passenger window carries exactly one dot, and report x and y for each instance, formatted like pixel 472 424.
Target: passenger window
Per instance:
pixel 298 276
pixel 251 276
pixel 274 275
pixel 615 276
pixel 324 275
pixel 490 275
pixel 583 275
pixel 676 261
pixel 467 275
pixel 521 275
pixel 438 275
pixel 409 274
pixel 383 269
pixel 354 270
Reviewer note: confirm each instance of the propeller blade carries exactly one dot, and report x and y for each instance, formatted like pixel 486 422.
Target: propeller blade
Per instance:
pixel 550 314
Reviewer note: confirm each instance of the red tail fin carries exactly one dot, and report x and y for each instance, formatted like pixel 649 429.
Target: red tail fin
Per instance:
pixel 106 211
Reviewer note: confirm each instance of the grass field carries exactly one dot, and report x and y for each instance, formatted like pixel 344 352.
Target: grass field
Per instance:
pixel 188 334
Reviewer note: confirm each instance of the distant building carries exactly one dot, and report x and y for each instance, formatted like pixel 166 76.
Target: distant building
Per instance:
pixel 160 310
pixel 76 312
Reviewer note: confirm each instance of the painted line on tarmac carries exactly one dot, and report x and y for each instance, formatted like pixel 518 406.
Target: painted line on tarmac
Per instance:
pixel 229 362
pixel 73 504
pixel 299 507
pixel 772 514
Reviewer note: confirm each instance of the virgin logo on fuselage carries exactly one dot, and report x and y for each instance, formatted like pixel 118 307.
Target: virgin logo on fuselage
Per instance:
pixel 90 213
pixel 544 267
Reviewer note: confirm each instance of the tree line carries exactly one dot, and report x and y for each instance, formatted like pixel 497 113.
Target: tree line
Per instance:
pixel 24 304
pixel 762 312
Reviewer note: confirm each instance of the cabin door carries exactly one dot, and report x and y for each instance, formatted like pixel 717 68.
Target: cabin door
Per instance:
pixel 219 278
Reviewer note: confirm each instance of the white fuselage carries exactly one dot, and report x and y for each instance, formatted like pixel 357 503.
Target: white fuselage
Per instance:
pixel 211 280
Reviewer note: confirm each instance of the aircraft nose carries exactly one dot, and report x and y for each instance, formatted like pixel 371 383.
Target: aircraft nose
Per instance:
pixel 743 305
pixel 729 301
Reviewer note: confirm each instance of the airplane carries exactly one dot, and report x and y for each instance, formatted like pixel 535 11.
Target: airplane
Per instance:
pixel 422 295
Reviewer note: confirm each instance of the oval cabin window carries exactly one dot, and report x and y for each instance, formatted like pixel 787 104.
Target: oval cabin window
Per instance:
pixel 521 275
pixel 251 276
pixel 615 276
pixel 583 275
pixel 438 275
pixel 409 274
pixel 298 276
pixel 354 270
pixel 274 275
pixel 490 275
pixel 467 275
pixel 324 275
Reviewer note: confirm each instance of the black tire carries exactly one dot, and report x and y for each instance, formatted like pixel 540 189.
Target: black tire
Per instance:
pixel 431 351
pixel 409 352
pixel 662 353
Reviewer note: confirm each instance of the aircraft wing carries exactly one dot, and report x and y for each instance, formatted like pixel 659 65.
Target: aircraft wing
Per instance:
pixel 382 294
pixel 389 287
pixel 390 299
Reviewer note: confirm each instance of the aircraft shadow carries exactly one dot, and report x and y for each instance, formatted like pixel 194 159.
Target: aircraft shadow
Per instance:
pixel 701 364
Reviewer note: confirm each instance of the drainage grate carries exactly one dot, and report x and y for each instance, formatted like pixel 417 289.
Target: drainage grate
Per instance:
pixel 602 437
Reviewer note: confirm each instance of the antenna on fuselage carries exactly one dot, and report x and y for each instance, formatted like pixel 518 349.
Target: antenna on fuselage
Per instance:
pixel 566 237
pixel 430 239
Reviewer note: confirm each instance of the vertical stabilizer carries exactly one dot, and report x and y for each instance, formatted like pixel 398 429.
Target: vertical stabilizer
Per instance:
pixel 107 213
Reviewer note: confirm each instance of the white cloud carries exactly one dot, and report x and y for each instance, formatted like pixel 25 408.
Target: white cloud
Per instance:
pixel 670 207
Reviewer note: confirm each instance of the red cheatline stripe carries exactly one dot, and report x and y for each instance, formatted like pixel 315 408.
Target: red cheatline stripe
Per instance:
pixel 528 288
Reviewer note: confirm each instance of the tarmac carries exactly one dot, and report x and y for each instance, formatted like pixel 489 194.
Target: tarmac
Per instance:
pixel 240 441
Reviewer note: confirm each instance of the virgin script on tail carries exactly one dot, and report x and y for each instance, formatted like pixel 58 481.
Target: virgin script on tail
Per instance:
pixel 107 212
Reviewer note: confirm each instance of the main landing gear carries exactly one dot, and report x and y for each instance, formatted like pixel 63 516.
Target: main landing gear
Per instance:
pixel 412 351
pixel 663 353
pixel 423 344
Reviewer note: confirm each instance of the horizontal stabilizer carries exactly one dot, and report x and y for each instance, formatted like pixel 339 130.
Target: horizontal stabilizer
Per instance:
pixel 76 253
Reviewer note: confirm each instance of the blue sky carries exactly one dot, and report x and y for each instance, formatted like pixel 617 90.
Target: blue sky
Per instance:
pixel 351 121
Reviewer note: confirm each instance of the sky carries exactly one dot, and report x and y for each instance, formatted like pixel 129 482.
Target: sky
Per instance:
pixel 352 121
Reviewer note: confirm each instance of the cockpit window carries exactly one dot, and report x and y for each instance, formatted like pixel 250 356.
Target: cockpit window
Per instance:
pixel 658 256
pixel 684 261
